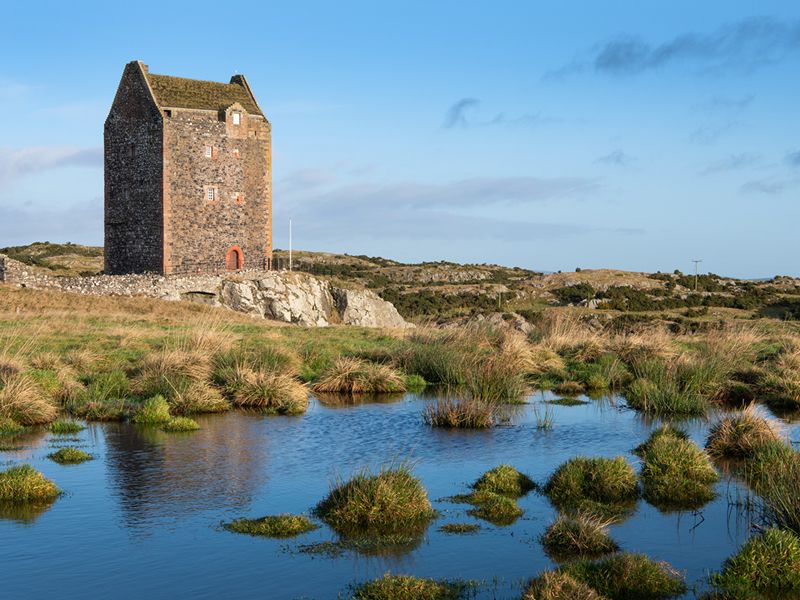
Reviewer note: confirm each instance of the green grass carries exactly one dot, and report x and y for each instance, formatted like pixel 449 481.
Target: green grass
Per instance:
pixel 153 411
pixel 578 535
pixel 180 425
pixel 460 528
pixel 676 475
pixel 65 427
pixel 627 576
pixel 568 401
pixel 739 436
pixel 769 562
pixel 454 413
pixel 276 526
pixel 25 484
pixel 664 431
pixel 557 585
pixel 774 474
pixel 69 456
pixel 680 387
pixel 601 485
pixel 10 428
pixel 415 383
pixel 389 501
pixel 495 508
pixel 406 587
pixel 505 480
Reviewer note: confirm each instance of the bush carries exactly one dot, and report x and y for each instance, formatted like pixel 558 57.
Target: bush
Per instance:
pixel 153 411
pixel 628 576
pixel 556 585
pixel 460 414
pixel 355 376
pixel 579 535
pixel 271 393
pixel 505 480
pixel 405 587
pixel 69 456
pixel 24 402
pixel 677 475
pixel 277 526
pixel 25 484
pixel 574 294
pixel 390 501
pixel 740 435
pixel 599 485
pixel 765 563
pixel 180 425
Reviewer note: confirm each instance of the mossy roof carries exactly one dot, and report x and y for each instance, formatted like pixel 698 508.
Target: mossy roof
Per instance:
pixel 178 92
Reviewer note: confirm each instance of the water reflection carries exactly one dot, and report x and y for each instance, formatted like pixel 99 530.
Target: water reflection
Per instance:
pixel 161 475
pixel 332 400
pixel 24 513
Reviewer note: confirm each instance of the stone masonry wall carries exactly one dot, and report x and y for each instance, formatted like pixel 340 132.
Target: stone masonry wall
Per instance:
pixel 201 232
pixel 133 179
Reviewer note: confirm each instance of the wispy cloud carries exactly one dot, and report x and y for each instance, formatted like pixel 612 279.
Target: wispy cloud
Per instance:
pixel 29 161
pixel 711 133
pixel 726 103
pixel 793 158
pixel 734 162
pixel 745 45
pixel 769 187
pixel 617 158
pixel 457 114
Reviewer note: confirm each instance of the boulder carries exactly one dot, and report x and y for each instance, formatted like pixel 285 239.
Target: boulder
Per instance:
pixel 364 308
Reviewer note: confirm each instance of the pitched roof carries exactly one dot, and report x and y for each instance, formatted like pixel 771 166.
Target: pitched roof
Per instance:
pixel 178 92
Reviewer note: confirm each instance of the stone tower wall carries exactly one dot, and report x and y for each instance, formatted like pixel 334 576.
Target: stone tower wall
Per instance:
pixel 133 179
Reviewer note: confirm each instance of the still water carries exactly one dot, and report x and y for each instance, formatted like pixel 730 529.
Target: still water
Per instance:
pixel 143 520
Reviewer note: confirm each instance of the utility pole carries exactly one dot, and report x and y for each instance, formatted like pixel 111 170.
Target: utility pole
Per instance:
pixel 696 262
pixel 290 244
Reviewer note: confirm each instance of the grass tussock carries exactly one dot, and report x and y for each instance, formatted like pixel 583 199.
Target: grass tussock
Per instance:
pixel 26 484
pixel 774 474
pixel 153 411
pixel 355 376
pixel 578 535
pixel 601 485
pixel 170 371
pixel 557 585
pixel 496 509
pixel 275 526
pixel 667 431
pixel 23 401
pixel 740 435
pixel 65 427
pixel 460 528
pixel 768 563
pixel 679 387
pixel 676 475
pixel 569 388
pixel 10 428
pixel 460 414
pixel 628 576
pixel 389 501
pixel 271 393
pixel 180 425
pixel 69 456
pixel 197 397
pixel 505 480
pixel 781 386
pixel 406 587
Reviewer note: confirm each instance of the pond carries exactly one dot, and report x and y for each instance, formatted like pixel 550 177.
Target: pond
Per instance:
pixel 144 518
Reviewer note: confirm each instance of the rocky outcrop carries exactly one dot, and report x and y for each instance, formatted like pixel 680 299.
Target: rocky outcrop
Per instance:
pixel 297 298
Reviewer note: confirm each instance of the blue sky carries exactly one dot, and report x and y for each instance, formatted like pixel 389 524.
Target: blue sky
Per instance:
pixel 550 135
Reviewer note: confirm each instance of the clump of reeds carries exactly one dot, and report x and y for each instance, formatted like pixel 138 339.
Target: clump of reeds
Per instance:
pixel 180 425
pixel 171 370
pixel 557 585
pixel 639 347
pixel 195 397
pixel 69 456
pixel 106 410
pixel 664 431
pixel 781 385
pixel 228 366
pixel 23 401
pixel 505 480
pixel 437 356
pixel 276 526
pixel 460 414
pixel 766 564
pixel 391 500
pixel 676 388
pixel 627 575
pixel 569 388
pixel 576 535
pixel 65 427
pixel 9 427
pixel 459 528
pixel 676 475
pixel 601 485
pixel 272 393
pixel 740 435
pixel 26 484
pixel 153 411
pixel 494 508
pixel 774 473
pixel 355 376
pixel 406 587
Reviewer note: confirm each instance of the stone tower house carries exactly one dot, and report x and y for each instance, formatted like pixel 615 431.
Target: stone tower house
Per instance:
pixel 188 176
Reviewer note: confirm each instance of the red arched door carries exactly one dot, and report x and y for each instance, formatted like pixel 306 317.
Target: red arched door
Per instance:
pixel 234 259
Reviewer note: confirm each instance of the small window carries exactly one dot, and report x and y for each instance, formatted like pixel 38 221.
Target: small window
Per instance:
pixel 235 152
pixel 211 194
pixel 209 151
pixel 167 113
pixel 237 118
